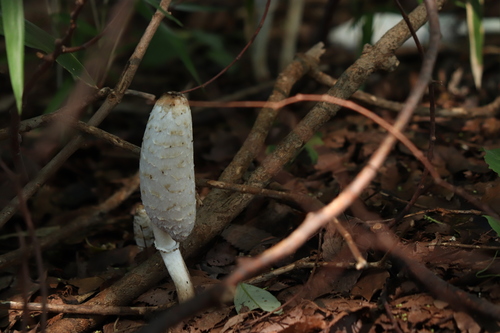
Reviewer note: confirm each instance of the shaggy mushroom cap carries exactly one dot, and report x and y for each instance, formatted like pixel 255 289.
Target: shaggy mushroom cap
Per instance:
pixel 167 167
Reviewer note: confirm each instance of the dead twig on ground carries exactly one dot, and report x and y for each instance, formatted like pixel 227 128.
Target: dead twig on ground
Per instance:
pixel 79 225
pixel 308 264
pixel 101 310
pixel 457 299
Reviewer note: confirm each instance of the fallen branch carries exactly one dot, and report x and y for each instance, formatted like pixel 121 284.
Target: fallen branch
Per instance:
pixel 101 310
pixel 77 226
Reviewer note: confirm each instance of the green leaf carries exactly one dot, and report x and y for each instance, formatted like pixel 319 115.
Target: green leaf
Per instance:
pixel 13 25
pixel 255 298
pixel 494 223
pixel 37 38
pixel 217 51
pixel 474 9
pixel 492 158
pixel 179 46
pixel 310 147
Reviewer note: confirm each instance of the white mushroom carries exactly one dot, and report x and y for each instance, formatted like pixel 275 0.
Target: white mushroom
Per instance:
pixel 167 183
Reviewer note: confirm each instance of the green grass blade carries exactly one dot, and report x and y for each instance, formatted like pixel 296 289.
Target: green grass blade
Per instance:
pixel 13 25
pixel 474 9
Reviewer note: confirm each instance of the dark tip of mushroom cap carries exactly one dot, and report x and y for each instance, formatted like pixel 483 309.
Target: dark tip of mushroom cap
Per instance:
pixel 173 98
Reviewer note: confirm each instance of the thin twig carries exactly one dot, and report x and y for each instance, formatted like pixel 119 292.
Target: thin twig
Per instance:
pixel 464 246
pixel 101 310
pixel 49 59
pixel 86 45
pixel 238 57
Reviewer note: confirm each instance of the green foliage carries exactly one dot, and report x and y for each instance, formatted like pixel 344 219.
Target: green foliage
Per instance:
pixel 176 43
pixel 216 49
pixel 309 147
pixel 433 220
pixel 492 158
pixel 182 42
pixel 255 298
pixel 13 26
pixel 39 39
pixel 494 223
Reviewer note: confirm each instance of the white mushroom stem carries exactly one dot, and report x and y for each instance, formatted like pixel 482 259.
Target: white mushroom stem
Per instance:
pixel 172 257
pixel 167 183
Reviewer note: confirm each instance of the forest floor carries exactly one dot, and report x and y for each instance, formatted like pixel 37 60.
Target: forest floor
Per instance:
pixel 93 195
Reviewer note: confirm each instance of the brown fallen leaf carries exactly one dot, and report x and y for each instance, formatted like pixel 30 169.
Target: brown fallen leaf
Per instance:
pixel 369 284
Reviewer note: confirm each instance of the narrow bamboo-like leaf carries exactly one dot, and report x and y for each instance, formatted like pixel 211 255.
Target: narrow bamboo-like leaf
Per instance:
pixel 13 25
pixel 255 298
pixel 474 9
pixel 37 38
